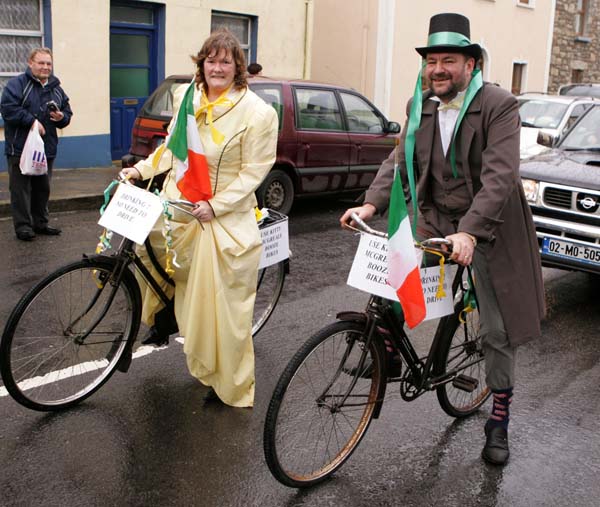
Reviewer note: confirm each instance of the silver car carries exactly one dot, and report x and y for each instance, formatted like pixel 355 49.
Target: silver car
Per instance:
pixel 551 114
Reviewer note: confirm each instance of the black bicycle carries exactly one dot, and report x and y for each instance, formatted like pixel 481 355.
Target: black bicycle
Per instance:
pixel 335 384
pixel 69 333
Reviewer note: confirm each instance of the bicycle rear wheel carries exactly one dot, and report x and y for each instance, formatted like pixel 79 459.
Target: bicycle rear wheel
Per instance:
pixel 268 290
pixel 65 337
pixel 323 404
pixel 461 352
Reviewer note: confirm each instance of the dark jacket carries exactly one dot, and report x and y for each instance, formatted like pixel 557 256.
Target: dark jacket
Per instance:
pixel 487 153
pixel 24 100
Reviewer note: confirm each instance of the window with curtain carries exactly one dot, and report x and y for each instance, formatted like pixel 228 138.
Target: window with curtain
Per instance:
pixel 240 26
pixel 21 30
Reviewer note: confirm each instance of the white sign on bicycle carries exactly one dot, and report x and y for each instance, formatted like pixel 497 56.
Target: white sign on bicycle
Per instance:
pixel 132 212
pixel 369 273
pixel 275 243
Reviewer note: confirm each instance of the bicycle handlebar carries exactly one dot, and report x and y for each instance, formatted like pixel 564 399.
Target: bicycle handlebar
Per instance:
pixel 175 203
pixel 440 245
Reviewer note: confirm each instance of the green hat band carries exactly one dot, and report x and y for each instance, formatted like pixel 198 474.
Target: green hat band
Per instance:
pixel 448 39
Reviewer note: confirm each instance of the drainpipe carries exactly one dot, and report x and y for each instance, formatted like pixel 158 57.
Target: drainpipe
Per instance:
pixel 308 36
pixel 384 55
pixel 549 43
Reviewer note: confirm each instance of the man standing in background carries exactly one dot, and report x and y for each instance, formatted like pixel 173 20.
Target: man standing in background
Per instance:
pixel 34 95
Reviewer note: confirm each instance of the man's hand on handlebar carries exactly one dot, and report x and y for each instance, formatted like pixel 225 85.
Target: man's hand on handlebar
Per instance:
pixel 366 212
pixel 463 248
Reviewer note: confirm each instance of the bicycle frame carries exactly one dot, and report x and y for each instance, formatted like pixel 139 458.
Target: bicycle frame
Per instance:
pixel 379 312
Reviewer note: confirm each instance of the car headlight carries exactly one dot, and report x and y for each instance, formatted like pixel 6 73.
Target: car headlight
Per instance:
pixel 531 188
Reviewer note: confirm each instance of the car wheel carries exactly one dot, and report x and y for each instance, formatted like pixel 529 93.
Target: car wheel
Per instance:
pixel 276 192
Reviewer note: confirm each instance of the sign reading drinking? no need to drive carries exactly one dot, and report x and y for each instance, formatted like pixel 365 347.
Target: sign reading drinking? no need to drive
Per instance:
pixel 132 212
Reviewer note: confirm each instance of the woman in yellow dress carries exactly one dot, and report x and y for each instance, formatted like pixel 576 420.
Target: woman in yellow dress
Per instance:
pixel 217 262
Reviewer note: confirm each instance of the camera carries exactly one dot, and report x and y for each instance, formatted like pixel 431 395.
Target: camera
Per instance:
pixel 52 106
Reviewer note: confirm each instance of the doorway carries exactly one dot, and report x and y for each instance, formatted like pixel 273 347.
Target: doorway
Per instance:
pixel 133 68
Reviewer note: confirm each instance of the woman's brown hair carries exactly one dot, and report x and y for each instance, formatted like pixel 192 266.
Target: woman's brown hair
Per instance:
pixel 219 40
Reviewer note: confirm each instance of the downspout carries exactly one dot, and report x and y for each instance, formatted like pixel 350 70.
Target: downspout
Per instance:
pixel 549 48
pixel 384 55
pixel 308 36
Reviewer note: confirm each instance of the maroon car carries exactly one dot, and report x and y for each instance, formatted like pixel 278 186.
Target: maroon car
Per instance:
pixel 331 139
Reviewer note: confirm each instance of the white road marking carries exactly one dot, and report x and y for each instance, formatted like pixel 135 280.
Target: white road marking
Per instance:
pixel 54 376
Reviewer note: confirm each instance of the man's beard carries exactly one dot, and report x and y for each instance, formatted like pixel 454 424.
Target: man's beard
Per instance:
pixel 453 89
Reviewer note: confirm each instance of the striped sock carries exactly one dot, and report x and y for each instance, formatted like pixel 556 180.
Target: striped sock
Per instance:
pixel 500 409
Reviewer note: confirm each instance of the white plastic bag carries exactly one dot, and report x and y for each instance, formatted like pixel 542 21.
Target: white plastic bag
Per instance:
pixel 33 159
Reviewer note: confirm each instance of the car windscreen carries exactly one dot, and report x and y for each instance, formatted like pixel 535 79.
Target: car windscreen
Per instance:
pixel 580 91
pixel 160 103
pixel 585 135
pixel 539 113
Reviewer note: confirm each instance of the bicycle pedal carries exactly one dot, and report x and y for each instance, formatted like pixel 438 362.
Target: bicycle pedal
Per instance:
pixel 465 383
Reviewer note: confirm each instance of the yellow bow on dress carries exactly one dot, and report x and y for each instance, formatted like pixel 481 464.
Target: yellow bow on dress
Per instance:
pixel 207 106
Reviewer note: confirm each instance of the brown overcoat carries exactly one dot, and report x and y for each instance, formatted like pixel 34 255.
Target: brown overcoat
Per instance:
pixel 487 154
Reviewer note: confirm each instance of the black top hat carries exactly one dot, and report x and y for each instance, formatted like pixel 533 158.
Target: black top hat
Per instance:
pixel 449 32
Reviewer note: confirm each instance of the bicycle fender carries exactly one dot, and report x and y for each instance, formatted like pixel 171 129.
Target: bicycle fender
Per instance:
pixel 352 317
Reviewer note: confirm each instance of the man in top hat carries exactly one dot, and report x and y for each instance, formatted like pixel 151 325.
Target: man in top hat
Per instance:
pixel 460 149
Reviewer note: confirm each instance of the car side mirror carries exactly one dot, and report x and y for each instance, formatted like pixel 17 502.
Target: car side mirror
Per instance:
pixel 546 139
pixel 392 127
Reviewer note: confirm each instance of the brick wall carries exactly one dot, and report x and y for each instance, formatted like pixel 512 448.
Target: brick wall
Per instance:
pixel 572 53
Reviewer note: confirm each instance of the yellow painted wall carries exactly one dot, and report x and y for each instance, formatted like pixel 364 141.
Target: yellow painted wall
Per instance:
pixel 506 31
pixel 281 28
pixel 80 43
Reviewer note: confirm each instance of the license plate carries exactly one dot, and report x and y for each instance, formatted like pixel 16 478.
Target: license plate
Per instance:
pixel 568 250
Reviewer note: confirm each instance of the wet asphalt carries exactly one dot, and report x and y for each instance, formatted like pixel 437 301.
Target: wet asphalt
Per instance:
pixel 148 438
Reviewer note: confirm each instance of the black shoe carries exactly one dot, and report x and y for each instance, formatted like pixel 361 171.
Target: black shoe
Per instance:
pixel 153 338
pixel 26 235
pixel 495 450
pixel 47 231
pixel 211 396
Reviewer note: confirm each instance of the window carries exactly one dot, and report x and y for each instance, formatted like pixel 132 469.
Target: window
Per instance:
pixel 518 78
pixel 241 27
pixel 577 111
pixel 21 30
pixel 581 17
pixel 576 76
pixel 317 109
pixel 526 3
pixel 360 115
pixel 271 94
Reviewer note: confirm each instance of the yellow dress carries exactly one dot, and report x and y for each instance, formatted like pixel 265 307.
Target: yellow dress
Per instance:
pixel 216 281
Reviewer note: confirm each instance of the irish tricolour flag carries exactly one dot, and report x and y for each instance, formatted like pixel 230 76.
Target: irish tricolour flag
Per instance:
pixel 403 266
pixel 191 169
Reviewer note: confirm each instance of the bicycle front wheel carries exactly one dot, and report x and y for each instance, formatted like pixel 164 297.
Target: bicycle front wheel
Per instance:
pixel 323 404
pixel 461 355
pixel 268 290
pixel 65 337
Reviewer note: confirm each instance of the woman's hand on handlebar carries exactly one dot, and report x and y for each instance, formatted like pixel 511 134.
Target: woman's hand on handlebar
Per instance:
pixel 203 211
pixel 366 212
pixel 130 173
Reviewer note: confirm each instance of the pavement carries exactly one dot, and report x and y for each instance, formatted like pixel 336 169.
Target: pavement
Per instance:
pixel 71 189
